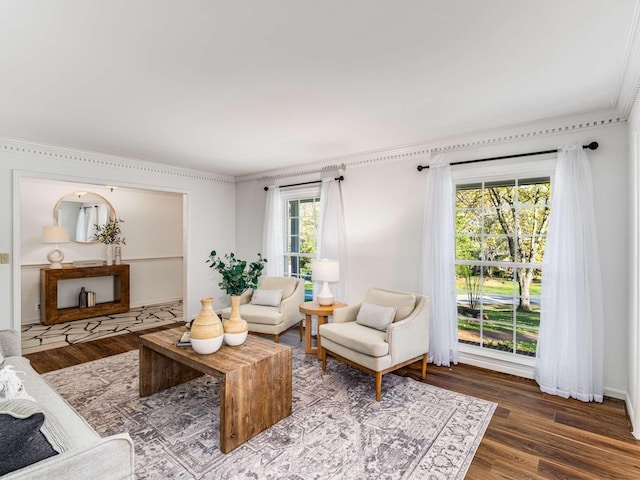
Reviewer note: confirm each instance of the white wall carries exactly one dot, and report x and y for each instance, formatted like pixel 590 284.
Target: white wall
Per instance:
pixel 633 400
pixel 152 227
pixel 384 210
pixel 210 212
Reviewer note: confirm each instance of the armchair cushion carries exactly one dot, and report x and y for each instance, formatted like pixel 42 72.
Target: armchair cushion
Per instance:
pixel 359 338
pixel 405 303
pixel 269 298
pixel 257 314
pixel 375 316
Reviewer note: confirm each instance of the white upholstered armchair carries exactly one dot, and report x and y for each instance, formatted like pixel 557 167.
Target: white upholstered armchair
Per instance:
pixel 273 308
pixel 388 330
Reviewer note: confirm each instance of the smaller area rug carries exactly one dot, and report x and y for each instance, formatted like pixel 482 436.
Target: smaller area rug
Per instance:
pixel 336 430
pixel 37 337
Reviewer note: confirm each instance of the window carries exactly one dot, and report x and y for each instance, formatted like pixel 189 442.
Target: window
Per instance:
pixel 501 229
pixel 302 238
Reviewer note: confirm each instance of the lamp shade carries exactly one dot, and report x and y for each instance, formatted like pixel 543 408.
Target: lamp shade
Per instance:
pixel 325 270
pixel 55 235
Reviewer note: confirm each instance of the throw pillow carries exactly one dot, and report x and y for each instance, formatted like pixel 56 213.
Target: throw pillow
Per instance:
pixel 375 316
pixel 20 423
pixel 10 384
pixel 269 298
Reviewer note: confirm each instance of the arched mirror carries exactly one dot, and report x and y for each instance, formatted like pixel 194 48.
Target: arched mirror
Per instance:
pixel 79 212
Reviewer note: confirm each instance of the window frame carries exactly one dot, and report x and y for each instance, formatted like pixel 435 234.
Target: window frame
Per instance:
pixel 297 193
pixel 493 172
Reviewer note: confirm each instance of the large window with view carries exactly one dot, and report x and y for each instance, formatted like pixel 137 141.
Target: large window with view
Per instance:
pixel 501 230
pixel 302 239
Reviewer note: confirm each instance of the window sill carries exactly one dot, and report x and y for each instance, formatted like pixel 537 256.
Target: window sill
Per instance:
pixel 518 365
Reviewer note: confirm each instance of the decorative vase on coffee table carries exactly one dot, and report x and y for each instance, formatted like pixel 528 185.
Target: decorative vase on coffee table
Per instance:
pixel 235 328
pixel 206 329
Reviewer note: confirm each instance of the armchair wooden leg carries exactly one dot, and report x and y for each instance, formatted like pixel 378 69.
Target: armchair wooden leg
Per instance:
pixel 323 356
pixel 301 322
pixel 276 338
pixel 424 366
pixel 378 385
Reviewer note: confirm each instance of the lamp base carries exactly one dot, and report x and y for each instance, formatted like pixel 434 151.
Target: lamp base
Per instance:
pixel 55 257
pixel 325 297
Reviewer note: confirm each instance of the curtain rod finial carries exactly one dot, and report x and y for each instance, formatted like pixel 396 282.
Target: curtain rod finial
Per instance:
pixel 592 146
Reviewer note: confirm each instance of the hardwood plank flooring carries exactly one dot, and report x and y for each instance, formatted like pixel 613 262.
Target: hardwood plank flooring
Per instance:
pixel 532 435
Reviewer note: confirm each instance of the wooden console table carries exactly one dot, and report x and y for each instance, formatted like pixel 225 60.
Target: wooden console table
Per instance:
pixel 51 314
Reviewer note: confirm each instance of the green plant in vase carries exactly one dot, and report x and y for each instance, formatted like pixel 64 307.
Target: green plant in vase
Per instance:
pixel 237 277
pixel 110 234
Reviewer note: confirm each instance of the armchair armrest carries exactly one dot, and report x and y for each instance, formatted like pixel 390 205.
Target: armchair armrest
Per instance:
pixel 346 314
pixel 246 296
pixel 409 338
pixel 10 343
pixel 290 306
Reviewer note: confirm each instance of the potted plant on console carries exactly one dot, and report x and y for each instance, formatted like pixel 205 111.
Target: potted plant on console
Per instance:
pixel 110 234
pixel 237 277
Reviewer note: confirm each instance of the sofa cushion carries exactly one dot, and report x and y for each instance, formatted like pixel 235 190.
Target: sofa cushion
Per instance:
pixel 269 298
pixel 375 316
pixel 354 336
pixel 21 435
pixel 286 284
pixel 405 303
pixel 78 433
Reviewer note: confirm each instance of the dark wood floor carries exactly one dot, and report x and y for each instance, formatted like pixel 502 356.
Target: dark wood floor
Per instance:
pixel 531 436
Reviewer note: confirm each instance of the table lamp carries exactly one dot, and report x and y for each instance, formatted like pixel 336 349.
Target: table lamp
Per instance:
pixel 325 270
pixel 55 235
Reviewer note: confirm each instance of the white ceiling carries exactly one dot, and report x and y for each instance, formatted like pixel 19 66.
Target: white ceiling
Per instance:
pixel 238 87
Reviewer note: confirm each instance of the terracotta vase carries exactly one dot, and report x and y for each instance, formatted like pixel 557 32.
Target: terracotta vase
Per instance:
pixel 206 329
pixel 235 329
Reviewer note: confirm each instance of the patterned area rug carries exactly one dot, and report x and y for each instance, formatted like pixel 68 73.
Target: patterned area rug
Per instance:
pixel 37 337
pixel 336 430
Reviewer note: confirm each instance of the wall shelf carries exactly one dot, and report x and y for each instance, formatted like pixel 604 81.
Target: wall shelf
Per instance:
pixel 50 313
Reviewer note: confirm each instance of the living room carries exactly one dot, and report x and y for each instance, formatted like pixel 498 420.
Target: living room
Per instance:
pixel 223 207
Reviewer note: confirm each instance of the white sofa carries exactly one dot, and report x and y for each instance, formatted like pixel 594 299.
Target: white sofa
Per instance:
pixel 87 455
pixel 272 320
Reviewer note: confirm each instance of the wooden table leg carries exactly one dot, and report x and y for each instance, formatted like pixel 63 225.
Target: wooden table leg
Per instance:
pixel 253 398
pixel 321 321
pixel 158 372
pixel 307 335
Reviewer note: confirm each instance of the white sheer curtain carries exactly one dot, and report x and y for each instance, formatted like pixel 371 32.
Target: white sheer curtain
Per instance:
pixel 438 267
pixel 570 347
pixel 332 242
pixel 273 234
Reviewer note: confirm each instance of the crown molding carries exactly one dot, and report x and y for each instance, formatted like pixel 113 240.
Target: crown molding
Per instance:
pixel 105 160
pixel 628 86
pixel 498 136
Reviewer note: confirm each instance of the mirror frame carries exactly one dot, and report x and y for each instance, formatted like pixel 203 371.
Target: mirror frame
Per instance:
pixel 73 194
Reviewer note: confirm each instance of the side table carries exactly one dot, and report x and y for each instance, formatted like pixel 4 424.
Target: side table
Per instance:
pixel 322 312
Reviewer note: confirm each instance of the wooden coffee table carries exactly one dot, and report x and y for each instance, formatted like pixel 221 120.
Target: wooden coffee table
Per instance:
pixel 255 380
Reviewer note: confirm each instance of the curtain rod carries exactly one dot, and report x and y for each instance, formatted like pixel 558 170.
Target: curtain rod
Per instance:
pixel 590 146
pixel 339 179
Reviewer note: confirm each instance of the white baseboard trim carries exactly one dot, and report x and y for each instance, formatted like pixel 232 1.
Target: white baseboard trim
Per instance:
pixel 635 429
pixel 496 364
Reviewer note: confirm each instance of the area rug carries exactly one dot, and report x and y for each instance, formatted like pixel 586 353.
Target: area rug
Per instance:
pixel 336 430
pixel 37 337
